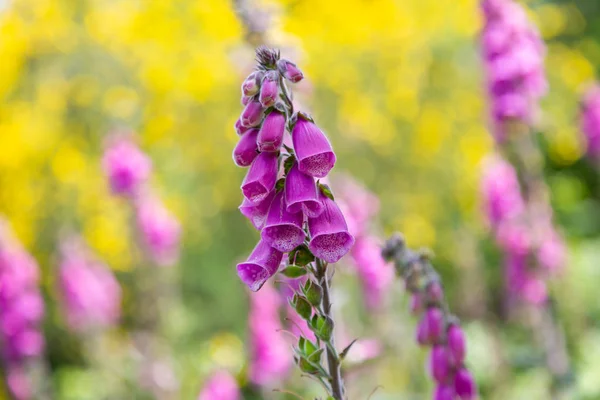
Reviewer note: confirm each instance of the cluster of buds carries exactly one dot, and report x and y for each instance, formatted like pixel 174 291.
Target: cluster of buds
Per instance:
pixel 91 294
pixel 590 121
pixel 513 53
pixel 295 212
pixel 522 242
pixel 220 386
pixel 437 328
pixel 128 170
pixel 22 310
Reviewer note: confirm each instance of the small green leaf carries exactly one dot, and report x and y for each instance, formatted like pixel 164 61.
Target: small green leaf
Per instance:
pixel 315 357
pixel 313 292
pixel 301 256
pixel 289 163
pixel 344 352
pixel 279 185
pixel 294 271
pixel 325 329
pixel 306 366
pixel 309 347
pixel 303 307
pixel 326 190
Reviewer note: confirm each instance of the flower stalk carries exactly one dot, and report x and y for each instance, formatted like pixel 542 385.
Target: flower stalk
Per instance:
pixel 294 211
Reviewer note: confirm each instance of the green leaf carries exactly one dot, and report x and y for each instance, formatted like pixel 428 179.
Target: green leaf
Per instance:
pixel 307 366
pixel 289 163
pixel 326 190
pixel 301 256
pixel 315 357
pixel 303 307
pixel 325 329
pixel 279 185
pixel 313 292
pixel 309 347
pixel 294 271
pixel 344 352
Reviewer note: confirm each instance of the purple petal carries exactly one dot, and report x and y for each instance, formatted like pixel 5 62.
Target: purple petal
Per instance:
pixel 456 344
pixel 283 231
pixel 330 237
pixel 301 193
pixel 270 137
pixel 439 363
pixel 247 149
pixel 262 264
pixel 261 177
pixel 464 385
pixel 257 213
pixel 252 114
pixel 269 89
pixel 313 150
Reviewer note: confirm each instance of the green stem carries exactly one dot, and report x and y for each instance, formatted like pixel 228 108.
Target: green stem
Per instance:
pixel 333 360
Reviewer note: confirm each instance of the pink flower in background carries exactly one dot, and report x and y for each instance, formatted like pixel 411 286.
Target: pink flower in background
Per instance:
pixel 590 120
pixel 375 274
pixel 91 295
pixel 220 386
pixel 270 358
pixel 125 165
pixel 357 202
pixel 21 313
pixel 500 192
pixel 513 54
pixel 159 230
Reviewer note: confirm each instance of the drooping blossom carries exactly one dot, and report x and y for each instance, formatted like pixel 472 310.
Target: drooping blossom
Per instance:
pixel 21 314
pixel 281 197
pixel 590 121
pixel 220 386
pixel 91 295
pixel 500 192
pixel 125 165
pixel 513 54
pixel 159 230
pixel 270 359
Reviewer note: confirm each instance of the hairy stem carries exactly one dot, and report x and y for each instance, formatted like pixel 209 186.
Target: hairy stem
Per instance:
pixel 333 360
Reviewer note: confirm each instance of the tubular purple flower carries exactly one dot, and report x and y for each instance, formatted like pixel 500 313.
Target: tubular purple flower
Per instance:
pixel 301 193
pixel 330 239
pixel 125 165
pixel 252 115
pixel 261 177
pixel 262 264
pixel 443 392
pixel 269 89
pixel 464 385
pixel 289 70
pixel 283 231
pixel 245 100
pixel 251 85
pixel 422 335
pixel 440 364
pixel 500 191
pixel 220 386
pixel 434 320
pixel 257 213
pixel 313 150
pixel 247 149
pixel 270 137
pixel 456 344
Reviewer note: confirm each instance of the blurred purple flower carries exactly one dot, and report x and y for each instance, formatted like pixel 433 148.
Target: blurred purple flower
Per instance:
pixel 21 313
pixel 270 358
pixel 159 230
pixel 590 120
pixel 90 292
pixel 513 54
pixel 500 192
pixel 125 165
pixel 220 386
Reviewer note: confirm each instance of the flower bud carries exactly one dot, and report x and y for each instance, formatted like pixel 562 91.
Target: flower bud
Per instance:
pixel 251 85
pixel 252 114
pixel 464 385
pixel 270 137
pixel 239 128
pixel 434 318
pixel 269 89
pixel 439 363
pixel 456 344
pixel 246 99
pixel 289 70
pixel 443 392
pixel 416 303
pixel 247 149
